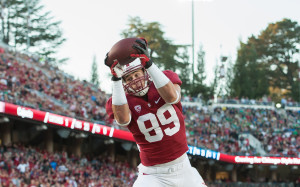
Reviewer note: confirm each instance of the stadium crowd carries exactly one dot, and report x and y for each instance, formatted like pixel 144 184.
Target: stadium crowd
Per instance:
pixel 30 167
pixel 32 82
pixel 219 129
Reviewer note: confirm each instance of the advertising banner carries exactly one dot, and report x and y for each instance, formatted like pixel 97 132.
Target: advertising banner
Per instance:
pixel 72 123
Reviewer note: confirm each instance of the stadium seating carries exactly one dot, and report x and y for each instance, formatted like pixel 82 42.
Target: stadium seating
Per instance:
pixel 226 127
pixel 221 129
pixel 32 82
pixel 28 82
pixel 21 166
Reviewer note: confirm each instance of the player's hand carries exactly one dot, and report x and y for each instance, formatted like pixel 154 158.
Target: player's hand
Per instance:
pixel 105 60
pixel 117 70
pixel 143 49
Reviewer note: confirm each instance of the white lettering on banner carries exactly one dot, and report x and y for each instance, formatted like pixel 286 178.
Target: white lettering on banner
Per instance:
pixel 73 123
pixel 214 155
pixel 257 160
pixel 78 125
pixel 208 154
pixel 56 119
pixel 96 128
pixel 104 130
pixel 46 117
pixel 296 161
pixel 86 126
pixel 66 122
pixel 24 113
pixel 243 160
pixel 2 107
pixel 267 160
pixel 290 161
pixel 204 152
pixel 196 151
pixel 111 133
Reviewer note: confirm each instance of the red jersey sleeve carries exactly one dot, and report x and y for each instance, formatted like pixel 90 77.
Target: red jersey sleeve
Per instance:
pixel 109 110
pixel 174 78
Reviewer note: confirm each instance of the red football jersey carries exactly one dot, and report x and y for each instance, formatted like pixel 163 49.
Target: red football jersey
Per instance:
pixel 157 127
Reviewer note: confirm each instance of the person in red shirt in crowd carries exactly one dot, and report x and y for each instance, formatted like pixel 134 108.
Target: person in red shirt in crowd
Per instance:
pixel 1 50
pixel 152 111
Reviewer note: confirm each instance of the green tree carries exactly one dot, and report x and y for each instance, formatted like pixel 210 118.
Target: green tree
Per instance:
pixel 250 76
pixel 213 92
pixel 162 51
pixel 200 76
pixel 170 56
pixel 199 87
pixel 279 45
pixel 94 75
pixel 185 70
pixel 229 77
pixel 274 60
pixel 25 25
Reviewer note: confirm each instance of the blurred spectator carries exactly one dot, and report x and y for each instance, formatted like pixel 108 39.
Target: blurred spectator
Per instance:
pixel 30 81
pixel 25 81
pixel 24 166
pixel 219 129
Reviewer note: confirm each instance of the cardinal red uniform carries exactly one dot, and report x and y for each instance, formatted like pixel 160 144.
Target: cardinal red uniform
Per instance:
pixel 154 118
pixel 157 127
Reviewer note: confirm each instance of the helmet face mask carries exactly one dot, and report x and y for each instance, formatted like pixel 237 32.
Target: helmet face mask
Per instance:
pixel 138 86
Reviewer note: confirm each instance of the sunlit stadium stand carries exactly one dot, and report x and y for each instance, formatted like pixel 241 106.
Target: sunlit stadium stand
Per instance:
pixel 239 127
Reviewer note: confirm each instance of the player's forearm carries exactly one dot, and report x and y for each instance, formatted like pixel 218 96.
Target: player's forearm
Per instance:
pixel 170 92
pixel 119 104
pixel 164 86
pixel 121 113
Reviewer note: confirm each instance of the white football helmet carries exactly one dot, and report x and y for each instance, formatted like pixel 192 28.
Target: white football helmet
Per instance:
pixel 138 90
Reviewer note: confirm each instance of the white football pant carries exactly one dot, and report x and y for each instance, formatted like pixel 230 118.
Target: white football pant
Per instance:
pixel 177 175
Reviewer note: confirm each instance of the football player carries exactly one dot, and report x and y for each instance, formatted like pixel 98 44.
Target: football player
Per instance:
pixel 147 101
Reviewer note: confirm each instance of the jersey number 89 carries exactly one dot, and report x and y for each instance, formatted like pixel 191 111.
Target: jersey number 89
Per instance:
pixel 155 125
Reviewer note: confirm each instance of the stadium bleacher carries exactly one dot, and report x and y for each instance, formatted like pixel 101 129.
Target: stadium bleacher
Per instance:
pixel 22 166
pixel 229 126
pixel 221 129
pixel 26 81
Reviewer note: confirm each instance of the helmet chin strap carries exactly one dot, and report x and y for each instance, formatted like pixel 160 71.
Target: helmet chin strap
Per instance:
pixel 142 92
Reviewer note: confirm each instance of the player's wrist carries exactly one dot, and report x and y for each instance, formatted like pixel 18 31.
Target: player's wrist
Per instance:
pixel 158 77
pixel 113 78
pixel 118 93
pixel 148 64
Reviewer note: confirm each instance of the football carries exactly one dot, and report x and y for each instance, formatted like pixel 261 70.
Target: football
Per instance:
pixel 121 51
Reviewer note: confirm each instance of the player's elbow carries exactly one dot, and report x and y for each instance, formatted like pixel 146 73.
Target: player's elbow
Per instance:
pixel 122 114
pixel 123 120
pixel 174 98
